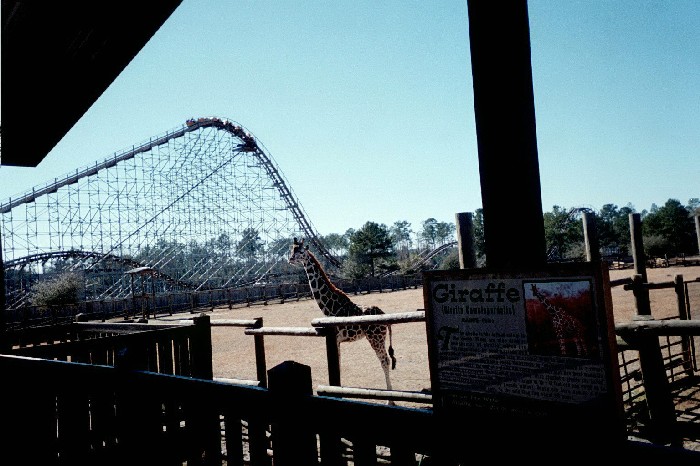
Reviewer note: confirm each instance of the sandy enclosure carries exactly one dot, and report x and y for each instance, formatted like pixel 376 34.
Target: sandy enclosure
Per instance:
pixel 233 351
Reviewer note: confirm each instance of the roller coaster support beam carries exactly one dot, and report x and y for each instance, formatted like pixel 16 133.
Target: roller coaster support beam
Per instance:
pixel 504 109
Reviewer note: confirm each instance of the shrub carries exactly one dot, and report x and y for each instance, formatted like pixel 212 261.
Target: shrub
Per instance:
pixel 62 290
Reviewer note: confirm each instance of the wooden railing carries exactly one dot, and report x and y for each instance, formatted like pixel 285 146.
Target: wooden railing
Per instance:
pixel 56 412
pixel 18 319
pixel 322 327
pixel 167 348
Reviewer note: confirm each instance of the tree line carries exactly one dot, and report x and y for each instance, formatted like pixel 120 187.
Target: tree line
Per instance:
pixel 668 231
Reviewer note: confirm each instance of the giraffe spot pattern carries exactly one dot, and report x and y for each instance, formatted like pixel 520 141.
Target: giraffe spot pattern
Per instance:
pixel 333 302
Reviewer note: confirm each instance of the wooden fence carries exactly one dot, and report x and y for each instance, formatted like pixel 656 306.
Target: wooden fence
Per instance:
pixel 322 327
pixel 658 359
pixel 17 319
pixel 56 412
pixel 163 348
pixel 109 415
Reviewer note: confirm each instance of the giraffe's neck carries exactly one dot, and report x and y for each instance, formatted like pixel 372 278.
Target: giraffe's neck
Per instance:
pixel 551 308
pixel 331 300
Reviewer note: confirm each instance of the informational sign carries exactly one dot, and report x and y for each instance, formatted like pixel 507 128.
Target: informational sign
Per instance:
pixel 522 343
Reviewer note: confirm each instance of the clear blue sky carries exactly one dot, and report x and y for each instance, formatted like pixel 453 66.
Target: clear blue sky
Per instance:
pixel 367 107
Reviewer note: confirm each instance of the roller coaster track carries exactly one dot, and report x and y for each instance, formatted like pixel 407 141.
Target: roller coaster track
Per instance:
pixel 426 257
pixel 76 254
pixel 16 300
pixel 179 204
pixel 248 144
pixel 203 206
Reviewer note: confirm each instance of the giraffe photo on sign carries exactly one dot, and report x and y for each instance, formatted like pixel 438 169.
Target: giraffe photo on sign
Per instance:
pixel 560 319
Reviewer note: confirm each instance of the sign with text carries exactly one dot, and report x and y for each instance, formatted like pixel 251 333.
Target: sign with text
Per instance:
pixel 522 343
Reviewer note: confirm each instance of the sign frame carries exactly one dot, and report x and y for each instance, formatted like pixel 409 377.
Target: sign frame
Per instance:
pixel 495 356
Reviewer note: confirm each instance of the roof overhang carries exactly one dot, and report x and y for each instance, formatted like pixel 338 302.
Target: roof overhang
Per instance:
pixel 58 58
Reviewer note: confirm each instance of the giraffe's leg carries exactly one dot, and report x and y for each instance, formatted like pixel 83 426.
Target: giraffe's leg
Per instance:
pixel 376 337
pixel 562 346
pixel 338 344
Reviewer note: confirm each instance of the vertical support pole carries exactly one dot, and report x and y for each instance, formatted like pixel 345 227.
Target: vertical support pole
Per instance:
pixel 504 111
pixel 590 236
pixel 465 240
pixel 153 293
pixel 333 356
pixel 204 427
pixel 133 295
pixel 679 288
pixel 260 363
pixel 662 412
pixel 294 442
pixel 641 293
pixel 640 266
pixel 201 351
pixel 143 296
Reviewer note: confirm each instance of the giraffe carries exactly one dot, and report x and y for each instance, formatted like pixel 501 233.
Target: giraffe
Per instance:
pixel 565 325
pixel 333 302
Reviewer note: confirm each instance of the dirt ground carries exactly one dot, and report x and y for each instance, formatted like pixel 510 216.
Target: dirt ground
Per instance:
pixel 233 351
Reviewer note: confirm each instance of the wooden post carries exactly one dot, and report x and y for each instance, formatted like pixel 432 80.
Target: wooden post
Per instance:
pixel 260 363
pixel 153 292
pixel 662 412
pixel 640 266
pixel 504 110
pixel 641 293
pixel 133 296
pixel 591 237
pixel 333 356
pixel 143 297
pixel 465 240
pixel 294 443
pixel 201 351
pixel 203 419
pixel 679 288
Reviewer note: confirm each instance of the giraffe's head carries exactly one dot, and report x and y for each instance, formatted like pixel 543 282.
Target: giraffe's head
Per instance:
pixel 299 253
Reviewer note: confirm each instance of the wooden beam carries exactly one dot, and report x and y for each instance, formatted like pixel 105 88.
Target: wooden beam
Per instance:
pixel 395 318
pixel 504 110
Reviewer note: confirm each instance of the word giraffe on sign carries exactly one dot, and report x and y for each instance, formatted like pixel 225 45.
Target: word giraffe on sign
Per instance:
pixel 333 302
pixel 566 326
